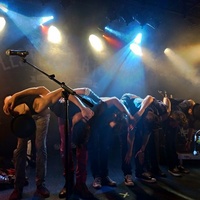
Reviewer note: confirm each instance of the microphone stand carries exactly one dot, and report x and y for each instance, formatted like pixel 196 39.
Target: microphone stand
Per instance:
pixel 66 93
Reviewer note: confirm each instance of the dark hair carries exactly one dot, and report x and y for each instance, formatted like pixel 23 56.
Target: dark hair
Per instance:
pixel 150 121
pixel 23 126
pixel 121 119
pixel 180 117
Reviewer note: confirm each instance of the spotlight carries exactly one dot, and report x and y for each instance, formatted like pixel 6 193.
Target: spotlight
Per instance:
pixel 3 7
pixel 45 19
pixel 96 42
pixel 136 49
pixel 134 46
pixel 2 23
pixel 138 38
pixel 54 35
pixel 167 50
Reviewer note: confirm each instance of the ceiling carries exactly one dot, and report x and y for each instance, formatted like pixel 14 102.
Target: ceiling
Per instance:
pixel 186 8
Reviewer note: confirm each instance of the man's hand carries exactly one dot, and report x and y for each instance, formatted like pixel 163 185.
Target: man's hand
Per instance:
pixel 8 104
pixel 87 113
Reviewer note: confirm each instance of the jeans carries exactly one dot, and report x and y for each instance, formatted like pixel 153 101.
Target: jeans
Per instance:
pixel 20 153
pixel 98 150
pixel 172 156
pixel 139 167
pixel 81 166
pixel 126 167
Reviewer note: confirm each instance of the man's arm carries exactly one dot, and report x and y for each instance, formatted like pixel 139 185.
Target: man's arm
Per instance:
pixel 88 92
pixel 167 102
pixel 53 96
pixel 144 105
pixel 87 113
pixel 41 90
pixel 115 101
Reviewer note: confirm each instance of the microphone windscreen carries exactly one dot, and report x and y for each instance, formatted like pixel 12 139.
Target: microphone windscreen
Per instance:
pixel 8 52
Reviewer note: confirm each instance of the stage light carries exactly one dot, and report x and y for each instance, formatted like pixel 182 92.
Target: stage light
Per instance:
pixel 54 35
pixel 134 46
pixel 3 7
pixel 96 42
pixel 114 42
pixel 45 19
pixel 113 32
pixel 167 50
pixel 2 23
pixel 136 49
pixel 138 38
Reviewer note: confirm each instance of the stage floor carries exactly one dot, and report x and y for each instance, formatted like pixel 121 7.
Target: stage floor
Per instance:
pixel 186 187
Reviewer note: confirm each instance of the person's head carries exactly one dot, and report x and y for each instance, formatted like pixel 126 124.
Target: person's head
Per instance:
pixel 150 119
pixel 120 122
pixel 23 126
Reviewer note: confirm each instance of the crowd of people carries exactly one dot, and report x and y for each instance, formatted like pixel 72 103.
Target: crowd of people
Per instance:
pixel 136 120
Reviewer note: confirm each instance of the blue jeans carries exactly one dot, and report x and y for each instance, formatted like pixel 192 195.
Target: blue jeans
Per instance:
pixel 126 167
pixel 98 151
pixel 20 153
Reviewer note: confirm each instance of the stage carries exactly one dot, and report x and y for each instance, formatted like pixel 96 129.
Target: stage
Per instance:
pixel 173 188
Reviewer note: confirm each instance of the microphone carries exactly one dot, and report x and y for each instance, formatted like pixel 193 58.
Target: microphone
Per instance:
pixel 21 53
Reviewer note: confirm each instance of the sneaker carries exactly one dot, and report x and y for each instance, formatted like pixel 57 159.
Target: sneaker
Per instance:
pixel 183 169
pixel 66 192
pixel 128 181
pixel 82 191
pixel 146 177
pixel 63 193
pixel 174 172
pixel 108 181
pixel 42 191
pixel 97 183
pixel 16 195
